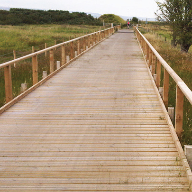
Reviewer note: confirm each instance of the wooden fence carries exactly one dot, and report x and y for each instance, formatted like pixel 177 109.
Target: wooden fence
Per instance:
pixel 155 62
pixel 84 43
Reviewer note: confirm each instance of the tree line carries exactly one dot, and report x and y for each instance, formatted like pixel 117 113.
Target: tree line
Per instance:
pixel 178 13
pixel 17 16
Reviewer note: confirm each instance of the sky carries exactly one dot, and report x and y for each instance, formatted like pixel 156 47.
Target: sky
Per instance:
pixel 131 8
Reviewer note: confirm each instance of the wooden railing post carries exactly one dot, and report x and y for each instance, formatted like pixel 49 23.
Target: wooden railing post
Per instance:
pixel 72 50
pixel 144 47
pixel 92 39
pixel 63 55
pixel 158 72
pixel 8 84
pixel 179 112
pixel 35 69
pixel 89 40
pixel 147 49
pixel 87 44
pixel 91 44
pixel 95 39
pixel 166 88
pixel 84 43
pixel 150 57
pixel 51 61
pixel 78 47
pixel 153 63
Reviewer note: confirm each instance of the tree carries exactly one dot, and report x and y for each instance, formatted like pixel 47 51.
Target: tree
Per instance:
pixel 178 13
pixel 135 20
pixel 186 26
pixel 170 11
pixel 17 16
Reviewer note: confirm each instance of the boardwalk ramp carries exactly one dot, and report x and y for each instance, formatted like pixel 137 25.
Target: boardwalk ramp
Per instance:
pixel 98 125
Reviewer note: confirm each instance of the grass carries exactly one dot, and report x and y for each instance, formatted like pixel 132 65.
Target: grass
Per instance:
pixel 22 38
pixel 181 63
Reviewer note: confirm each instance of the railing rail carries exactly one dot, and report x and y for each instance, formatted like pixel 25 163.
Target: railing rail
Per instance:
pixel 86 41
pixel 155 61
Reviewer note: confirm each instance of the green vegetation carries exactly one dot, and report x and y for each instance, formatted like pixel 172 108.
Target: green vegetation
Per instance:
pixel 22 38
pixel 135 20
pixel 111 18
pixel 178 14
pixel 28 16
pixel 160 37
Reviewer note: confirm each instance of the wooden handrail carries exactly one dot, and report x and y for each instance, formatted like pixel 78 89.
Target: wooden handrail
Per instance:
pixel 186 91
pixel 50 48
pixel 182 88
pixel 99 36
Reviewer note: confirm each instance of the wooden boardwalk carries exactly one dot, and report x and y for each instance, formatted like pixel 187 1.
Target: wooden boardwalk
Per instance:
pixel 98 125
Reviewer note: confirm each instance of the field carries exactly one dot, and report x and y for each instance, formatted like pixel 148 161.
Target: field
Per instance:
pixel 160 38
pixel 22 38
